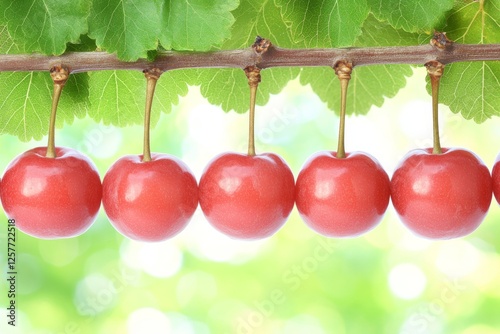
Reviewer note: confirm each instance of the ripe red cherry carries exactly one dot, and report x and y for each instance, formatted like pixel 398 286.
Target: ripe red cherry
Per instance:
pixel 247 196
pixel 496 179
pixel 51 197
pixel 149 201
pixel 441 196
pixel 342 197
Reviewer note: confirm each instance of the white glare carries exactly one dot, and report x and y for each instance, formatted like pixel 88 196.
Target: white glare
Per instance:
pixel 162 260
pixel 407 281
pixel 205 242
pixel 303 324
pixel 457 258
pixel 33 186
pixel 94 294
pixel 148 320
pixel 412 123
pixel 195 288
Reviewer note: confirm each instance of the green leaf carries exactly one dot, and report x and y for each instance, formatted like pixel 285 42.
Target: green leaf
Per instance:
pixel 473 88
pixel 118 97
pixel 411 16
pixel 85 43
pixel 369 84
pixel 315 24
pixel 197 24
pixel 171 86
pixel 45 26
pixel 7 45
pixel 259 17
pixel 377 33
pixel 129 28
pixel 229 89
pixel 474 22
pixel 132 28
pixel 74 99
pixel 26 103
pixel 27 98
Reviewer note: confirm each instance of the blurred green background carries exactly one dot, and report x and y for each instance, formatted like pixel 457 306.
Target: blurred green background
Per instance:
pixel 387 281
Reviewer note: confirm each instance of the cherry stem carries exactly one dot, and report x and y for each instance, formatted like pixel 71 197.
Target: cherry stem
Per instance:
pixel 343 70
pixel 152 76
pixel 435 70
pixel 253 75
pixel 59 75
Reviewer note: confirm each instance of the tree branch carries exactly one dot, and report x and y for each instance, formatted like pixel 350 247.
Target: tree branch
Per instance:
pixel 274 57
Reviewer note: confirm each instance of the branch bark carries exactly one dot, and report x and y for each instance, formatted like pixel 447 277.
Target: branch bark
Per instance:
pixel 274 57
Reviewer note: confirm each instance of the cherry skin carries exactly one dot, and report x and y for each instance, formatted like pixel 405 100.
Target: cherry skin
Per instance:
pixel 342 197
pixel 247 196
pixel 441 196
pixel 496 179
pixel 149 201
pixel 51 197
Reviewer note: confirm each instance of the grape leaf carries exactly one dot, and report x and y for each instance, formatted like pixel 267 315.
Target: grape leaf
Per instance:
pixel 196 25
pixel 26 103
pixel 229 87
pixel 129 28
pixel 368 84
pixel 45 26
pixel 324 23
pixel 473 88
pixel 411 16
pixel 118 97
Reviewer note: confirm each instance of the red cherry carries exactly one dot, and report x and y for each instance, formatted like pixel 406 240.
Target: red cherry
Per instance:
pixel 342 197
pixel 496 179
pixel 51 197
pixel 441 196
pixel 247 196
pixel 149 201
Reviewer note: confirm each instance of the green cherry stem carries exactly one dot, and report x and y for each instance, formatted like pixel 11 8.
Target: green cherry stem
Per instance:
pixel 343 70
pixel 435 70
pixel 253 75
pixel 152 75
pixel 59 75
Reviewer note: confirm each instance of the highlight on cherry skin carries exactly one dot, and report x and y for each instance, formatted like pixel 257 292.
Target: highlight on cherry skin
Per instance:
pixel 151 200
pixel 342 197
pixel 247 196
pixel 51 197
pixel 441 196
pixel 495 173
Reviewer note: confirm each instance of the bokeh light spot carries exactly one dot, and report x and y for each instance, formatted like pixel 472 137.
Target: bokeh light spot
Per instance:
pixel 407 281
pixel 162 259
pixel 457 258
pixel 148 320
